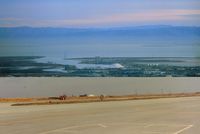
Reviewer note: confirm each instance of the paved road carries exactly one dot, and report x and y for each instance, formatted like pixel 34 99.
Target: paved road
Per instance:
pixel 158 116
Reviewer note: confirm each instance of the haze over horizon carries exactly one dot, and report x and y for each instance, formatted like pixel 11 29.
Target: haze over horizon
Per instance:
pixel 105 28
pixel 98 13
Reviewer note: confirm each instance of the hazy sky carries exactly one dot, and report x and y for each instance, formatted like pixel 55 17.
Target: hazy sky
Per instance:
pixel 98 13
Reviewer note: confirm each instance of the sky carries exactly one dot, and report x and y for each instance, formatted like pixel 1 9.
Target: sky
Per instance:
pixel 98 13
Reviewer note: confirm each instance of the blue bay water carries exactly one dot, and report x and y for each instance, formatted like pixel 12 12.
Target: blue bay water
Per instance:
pixel 149 41
pixel 90 47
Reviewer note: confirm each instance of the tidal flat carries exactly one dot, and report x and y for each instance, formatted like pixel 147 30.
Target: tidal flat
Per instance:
pixel 55 86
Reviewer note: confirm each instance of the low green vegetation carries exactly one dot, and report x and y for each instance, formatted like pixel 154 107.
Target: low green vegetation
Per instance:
pixel 131 67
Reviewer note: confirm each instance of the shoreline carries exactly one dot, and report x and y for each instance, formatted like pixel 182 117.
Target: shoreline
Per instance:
pixel 87 99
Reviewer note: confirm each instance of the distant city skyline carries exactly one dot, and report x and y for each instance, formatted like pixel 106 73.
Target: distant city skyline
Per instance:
pixel 98 13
